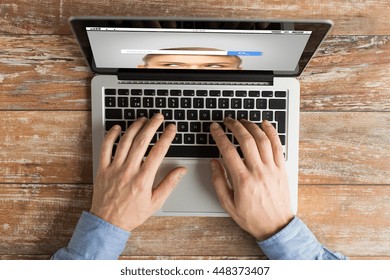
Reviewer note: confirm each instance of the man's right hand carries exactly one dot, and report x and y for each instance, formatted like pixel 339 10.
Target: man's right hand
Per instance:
pixel 257 195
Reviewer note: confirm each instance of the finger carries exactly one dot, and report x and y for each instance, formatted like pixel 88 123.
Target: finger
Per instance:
pixel 221 185
pixel 127 139
pixel 274 139
pixel 159 150
pixel 263 144
pixel 142 140
pixel 247 142
pixel 108 144
pixel 229 153
pixel 166 186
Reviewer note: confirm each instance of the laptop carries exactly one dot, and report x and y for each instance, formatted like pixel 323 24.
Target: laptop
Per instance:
pixel 196 71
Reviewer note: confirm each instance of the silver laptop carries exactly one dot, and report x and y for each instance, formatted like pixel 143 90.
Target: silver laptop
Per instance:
pixel 194 72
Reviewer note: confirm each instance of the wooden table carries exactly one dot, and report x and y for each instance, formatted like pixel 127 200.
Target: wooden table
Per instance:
pixel 45 137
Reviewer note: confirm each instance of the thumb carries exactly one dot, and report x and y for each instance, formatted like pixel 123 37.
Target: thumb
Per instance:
pixel 221 185
pixel 166 186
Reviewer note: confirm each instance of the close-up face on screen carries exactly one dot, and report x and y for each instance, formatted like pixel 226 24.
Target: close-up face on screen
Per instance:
pixel 207 49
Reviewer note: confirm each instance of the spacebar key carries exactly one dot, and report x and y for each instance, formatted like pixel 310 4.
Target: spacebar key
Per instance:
pixel 193 151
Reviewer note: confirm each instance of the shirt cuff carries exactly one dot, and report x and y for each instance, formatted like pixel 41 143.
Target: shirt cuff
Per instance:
pixel 94 239
pixel 296 242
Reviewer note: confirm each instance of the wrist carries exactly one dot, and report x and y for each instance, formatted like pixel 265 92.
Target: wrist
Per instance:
pixel 274 228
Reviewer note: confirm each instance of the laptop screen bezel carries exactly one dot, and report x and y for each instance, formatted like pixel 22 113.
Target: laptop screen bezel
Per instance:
pixel 319 29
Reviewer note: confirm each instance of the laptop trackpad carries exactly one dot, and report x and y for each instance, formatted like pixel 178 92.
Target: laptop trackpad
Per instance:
pixel 194 193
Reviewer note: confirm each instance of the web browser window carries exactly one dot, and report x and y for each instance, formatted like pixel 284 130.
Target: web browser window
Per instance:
pixel 159 48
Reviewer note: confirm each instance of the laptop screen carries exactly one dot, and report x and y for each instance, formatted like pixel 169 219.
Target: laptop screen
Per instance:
pixel 280 48
pixel 259 50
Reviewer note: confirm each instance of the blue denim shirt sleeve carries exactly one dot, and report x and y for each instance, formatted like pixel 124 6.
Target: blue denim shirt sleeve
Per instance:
pixel 296 242
pixel 94 239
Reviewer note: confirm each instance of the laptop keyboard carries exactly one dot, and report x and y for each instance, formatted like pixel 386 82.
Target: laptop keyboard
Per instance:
pixel 193 111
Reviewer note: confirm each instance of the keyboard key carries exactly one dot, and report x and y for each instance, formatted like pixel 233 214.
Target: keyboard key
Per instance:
pixel 123 91
pixel 198 103
pixel 179 114
pixel 268 115
pixel 110 124
pixel 135 101
pixel 113 114
pixel 242 115
pixel 178 139
pixel 162 92
pixel 280 94
pixel 254 116
pixel 175 92
pixel 129 114
pixel 192 115
pixel 230 113
pixel 282 139
pixel 201 138
pixel 206 126
pixel 236 103
pixel 149 92
pixel 223 103
pixel 217 115
pixel 152 112
pixel 227 93
pixel 215 93
pixel 277 103
pixel 110 91
pixel 201 93
pixel 188 92
pixel 211 103
pixel 280 117
pixel 254 93
pixel 173 102
pixel 182 127
pixel 189 138
pixel 148 102
pixel 185 103
pixel 123 102
pixel 195 126
pixel 168 114
pixel 241 93
pixel 142 113
pixel 110 101
pixel 193 151
pixel 204 115
pixel 136 92
pixel 261 103
pixel 267 93
pixel 249 104
pixel 211 140
pixel 161 102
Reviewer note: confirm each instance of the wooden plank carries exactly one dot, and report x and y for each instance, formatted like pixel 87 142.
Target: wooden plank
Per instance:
pixel 50 16
pixel 344 218
pixel 344 148
pixel 55 147
pixel 354 220
pixel 349 73
pixel 44 147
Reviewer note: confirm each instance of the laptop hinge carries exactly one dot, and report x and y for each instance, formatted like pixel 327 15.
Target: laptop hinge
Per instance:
pixel 262 78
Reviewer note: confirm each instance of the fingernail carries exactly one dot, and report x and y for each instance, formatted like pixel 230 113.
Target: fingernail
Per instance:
pixel 214 126
pixel 181 174
pixel 159 116
pixel 266 123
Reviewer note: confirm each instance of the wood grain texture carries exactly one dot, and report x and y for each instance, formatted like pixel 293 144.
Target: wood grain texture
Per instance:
pixel 348 73
pixel 354 17
pixel 55 147
pixel 45 147
pixel 348 219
